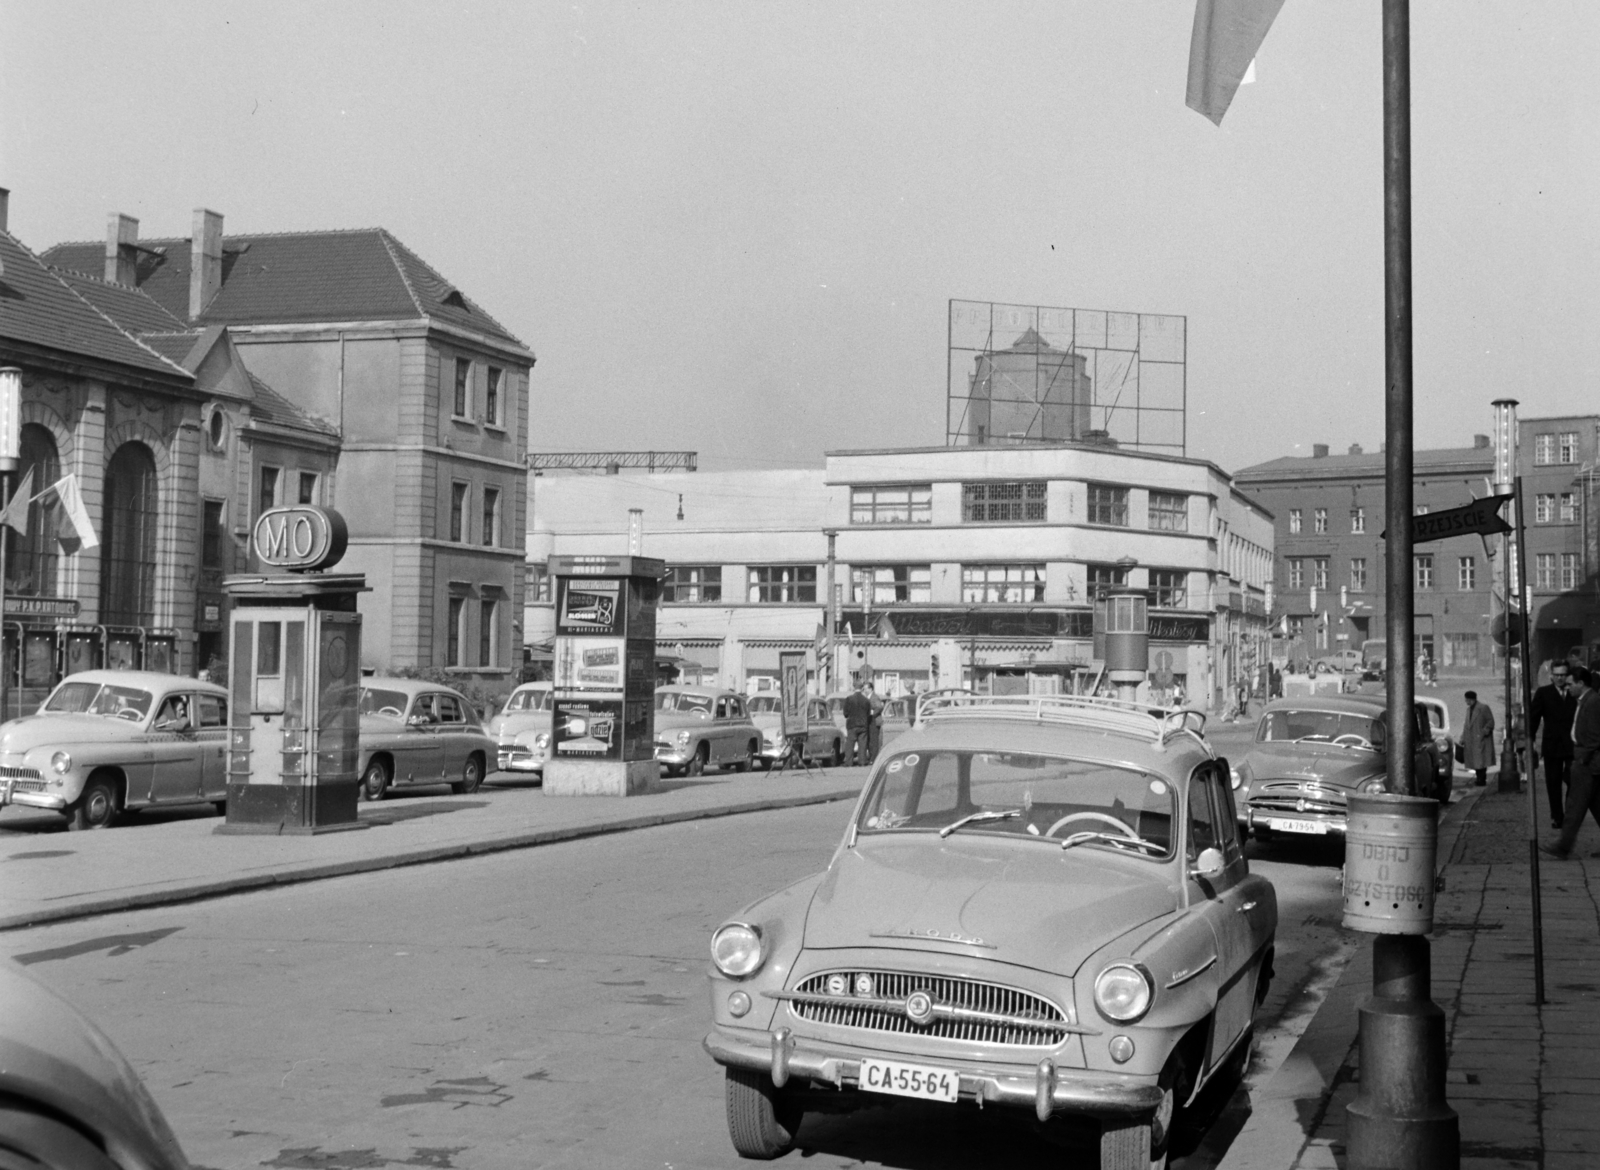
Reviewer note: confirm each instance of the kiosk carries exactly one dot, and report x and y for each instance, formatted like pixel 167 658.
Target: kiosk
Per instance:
pixel 294 669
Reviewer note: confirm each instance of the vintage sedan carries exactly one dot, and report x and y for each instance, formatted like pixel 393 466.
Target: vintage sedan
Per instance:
pixel 824 737
pixel 418 732
pixel 107 742
pixel 1039 902
pixel 1444 744
pixel 522 729
pixel 701 727
pixel 1311 752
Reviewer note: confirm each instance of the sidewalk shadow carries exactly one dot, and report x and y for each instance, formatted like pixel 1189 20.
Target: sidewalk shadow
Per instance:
pixel 393 816
pixel 1304 851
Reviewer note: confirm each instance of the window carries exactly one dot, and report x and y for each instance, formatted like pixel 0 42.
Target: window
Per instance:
pixel 491 516
pixel 463 377
pixel 1297 572
pixel 34 560
pixel 1169 588
pixel 1423 566
pixel 1169 512
pixel 1467 574
pixel 1544 508
pixel 128 538
pixel 891 584
pixel 308 487
pixel 1002 584
pixel 908 504
pixel 491 398
pixel 1319 520
pixel 1319 572
pixel 488 612
pixel 1108 505
pixel 536 583
pixel 1569 446
pixel 1294 520
pixel 1103 577
pixel 1358 520
pixel 692 584
pixel 1460 650
pixel 1007 503
pixel 783 583
pixel 211 535
pixel 1358 574
pixel 268 495
pixel 453 639
pixel 1544 571
pixel 458 509
pixel 1569 570
pixel 1544 449
pixel 1569 508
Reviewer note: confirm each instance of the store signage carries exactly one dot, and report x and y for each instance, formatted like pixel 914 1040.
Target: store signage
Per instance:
pixel 1031 623
pixel 56 607
pixel 300 538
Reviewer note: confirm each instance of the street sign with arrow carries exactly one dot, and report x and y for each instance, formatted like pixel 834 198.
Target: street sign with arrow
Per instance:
pixel 1479 518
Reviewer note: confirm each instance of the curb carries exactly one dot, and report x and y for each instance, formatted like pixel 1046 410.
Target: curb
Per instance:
pixel 194 891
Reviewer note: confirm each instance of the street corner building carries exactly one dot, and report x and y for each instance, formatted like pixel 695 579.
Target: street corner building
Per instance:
pixel 189 384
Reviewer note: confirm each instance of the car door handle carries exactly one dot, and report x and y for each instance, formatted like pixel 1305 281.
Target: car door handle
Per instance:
pixel 1245 908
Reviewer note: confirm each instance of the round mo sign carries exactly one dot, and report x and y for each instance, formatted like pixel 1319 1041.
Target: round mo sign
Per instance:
pixel 300 538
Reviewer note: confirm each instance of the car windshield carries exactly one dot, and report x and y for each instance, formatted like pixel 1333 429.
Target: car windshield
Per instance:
pixel 683 701
pixel 378 702
pixel 538 700
pixel 1320 727
pixel 1017 794
pixel 763 704
pixel 100 699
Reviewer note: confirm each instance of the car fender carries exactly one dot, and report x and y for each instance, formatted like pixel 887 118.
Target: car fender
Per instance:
pixel 781 918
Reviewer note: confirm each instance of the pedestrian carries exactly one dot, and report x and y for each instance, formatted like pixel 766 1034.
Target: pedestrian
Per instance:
pixel 875 704
pixel 1583 793
pixel 1553 708
pixel 1477 738
pixel 857 724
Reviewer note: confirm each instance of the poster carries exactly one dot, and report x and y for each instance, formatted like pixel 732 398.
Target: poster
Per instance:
pixel 587 728
pixel 792 684
pixel 589 664
pixel 590 607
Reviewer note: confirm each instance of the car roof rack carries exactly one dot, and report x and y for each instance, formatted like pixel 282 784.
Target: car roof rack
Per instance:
pixel 1091 712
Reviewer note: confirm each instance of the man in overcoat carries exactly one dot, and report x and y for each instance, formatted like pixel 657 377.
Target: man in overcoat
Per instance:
pixel 1477 738
pixel 857 722
pixel 1552 709
pixel 1583 793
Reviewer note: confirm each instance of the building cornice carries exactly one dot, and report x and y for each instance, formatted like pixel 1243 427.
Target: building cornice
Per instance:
pixel 442 452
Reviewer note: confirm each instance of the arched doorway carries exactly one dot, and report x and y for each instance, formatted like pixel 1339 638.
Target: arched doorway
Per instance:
pixel 128 542
pixel 32 560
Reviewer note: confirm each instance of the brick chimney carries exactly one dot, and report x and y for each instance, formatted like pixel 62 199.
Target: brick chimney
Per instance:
pixel 205 260
pixel 122 249
pixel 1479 442
pixel 5 209
pixel 1355 448
pixel 1319 450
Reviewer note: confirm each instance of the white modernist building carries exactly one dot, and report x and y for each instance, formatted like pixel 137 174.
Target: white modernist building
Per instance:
pixel 948 562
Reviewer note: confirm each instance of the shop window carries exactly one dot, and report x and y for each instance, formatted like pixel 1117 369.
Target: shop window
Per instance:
pixel 692 584
pixel 783 583
pixel 904 504
pixel 128 543
pixel 1460 650
pixel 1003 503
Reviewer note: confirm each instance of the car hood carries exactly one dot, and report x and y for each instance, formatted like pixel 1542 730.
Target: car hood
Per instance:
pixel 34 731
pixel 517 722
pixel 1028 903
pixel 665 719
pixel 1328 765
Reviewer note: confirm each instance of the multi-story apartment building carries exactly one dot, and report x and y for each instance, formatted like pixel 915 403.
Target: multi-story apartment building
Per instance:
pixel 999 550
pixel 1558 458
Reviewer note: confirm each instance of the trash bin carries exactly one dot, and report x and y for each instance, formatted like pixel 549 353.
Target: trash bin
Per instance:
pixel 1389 849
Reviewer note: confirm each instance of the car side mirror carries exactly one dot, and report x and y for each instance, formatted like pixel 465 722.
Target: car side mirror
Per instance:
pixel 1209 864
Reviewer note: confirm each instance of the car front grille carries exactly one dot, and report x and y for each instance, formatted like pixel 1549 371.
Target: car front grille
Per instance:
pixel 1286 796
pixel 963 1009
pixel 26 779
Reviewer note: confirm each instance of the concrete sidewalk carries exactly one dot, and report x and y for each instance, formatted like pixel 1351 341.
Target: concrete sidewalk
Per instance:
pixel 1521 1077
pixel 53 876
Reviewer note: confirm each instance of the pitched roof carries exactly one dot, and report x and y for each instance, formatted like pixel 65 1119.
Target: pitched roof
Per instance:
pixel 131 308
pixel 176 346
pixel 362 274
pixel 1368 463
pixel 38 307
pixel 270 406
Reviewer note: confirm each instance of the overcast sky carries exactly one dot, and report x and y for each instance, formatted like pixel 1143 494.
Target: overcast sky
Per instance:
pixel 735 228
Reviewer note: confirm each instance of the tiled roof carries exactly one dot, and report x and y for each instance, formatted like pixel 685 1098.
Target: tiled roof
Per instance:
pixel 38 307
pixel 299 277
pixel 270 406
pixel 176 346
pixel 131 308
pixel 1368 463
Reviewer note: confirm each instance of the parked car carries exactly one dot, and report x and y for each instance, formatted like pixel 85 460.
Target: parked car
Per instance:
pixel 702 727
pixel 1310 753
pixel 824 738
pixel 1039 902
pixel 1444 744
pixel 108 741
pixel 1374 659
pixel 1343 661
pixel 522 729
pixel 418 732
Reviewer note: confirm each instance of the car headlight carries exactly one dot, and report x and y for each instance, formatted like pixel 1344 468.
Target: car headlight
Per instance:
pixel 61 763
pixel 1233 775
pixel 1373 785
pixel 1123 992
pixel 683 738
pixel 736 949
pixel 542 741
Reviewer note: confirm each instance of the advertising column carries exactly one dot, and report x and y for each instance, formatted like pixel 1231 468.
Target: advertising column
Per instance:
pixel 603 726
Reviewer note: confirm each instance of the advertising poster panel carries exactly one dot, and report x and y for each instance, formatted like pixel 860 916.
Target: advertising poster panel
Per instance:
pixel 792 683
pixel 589 728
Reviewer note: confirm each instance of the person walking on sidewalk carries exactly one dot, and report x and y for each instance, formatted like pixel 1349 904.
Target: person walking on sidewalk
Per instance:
pixel 875 704
pixel 1477 738
pixel 857 721
pixel 1552 709
pixel 1583 793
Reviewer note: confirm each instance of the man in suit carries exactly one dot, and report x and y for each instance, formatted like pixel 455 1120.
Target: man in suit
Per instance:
pixel 1552 709
pixel 1583 792
pixel 857 725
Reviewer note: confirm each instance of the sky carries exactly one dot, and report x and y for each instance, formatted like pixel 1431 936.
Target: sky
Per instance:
pixel 735 228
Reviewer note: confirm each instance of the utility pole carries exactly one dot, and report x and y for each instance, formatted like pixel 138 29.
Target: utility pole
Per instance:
pixel 831 610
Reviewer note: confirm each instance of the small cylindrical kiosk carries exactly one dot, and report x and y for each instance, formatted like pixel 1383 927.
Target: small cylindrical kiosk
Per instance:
pixel 603 721
pixel 294 668
pixel 1122 636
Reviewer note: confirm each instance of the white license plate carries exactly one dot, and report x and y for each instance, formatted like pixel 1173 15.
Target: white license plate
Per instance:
pixel 1317 827
pixel 910 1080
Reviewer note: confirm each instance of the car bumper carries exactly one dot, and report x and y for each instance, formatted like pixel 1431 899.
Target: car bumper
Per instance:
pixel 46 800
pixel 1330 824
pixel 520 761
pixel 1046 1088
pixel 673 757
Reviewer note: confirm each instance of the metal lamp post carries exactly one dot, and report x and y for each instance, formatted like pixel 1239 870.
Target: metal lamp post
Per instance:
pixel 10 457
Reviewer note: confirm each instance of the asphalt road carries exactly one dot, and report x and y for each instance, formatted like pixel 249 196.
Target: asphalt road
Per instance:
pixel 542 1008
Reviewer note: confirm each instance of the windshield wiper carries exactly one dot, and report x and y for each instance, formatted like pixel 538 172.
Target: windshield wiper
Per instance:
pixel 1110 839
pixel 993 814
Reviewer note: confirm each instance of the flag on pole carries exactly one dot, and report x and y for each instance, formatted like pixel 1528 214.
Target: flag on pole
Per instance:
pixel 1222 49
pixel 66 489
pixel 16 512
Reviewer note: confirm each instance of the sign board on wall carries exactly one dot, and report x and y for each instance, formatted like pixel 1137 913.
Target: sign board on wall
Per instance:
pixel 793 708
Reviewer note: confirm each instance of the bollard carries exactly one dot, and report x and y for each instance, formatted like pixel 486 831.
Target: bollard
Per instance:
pixel 1399 1119
pixel 1510 780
